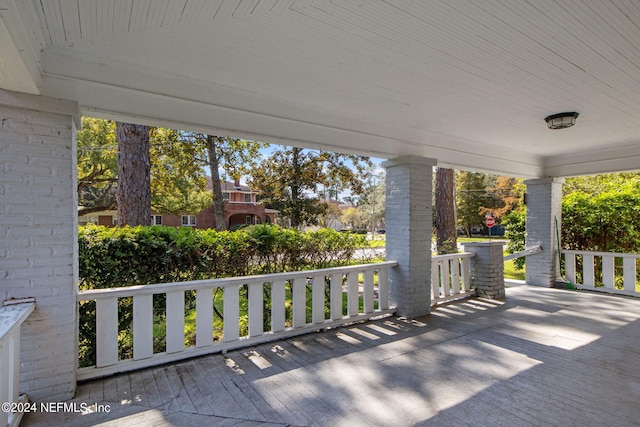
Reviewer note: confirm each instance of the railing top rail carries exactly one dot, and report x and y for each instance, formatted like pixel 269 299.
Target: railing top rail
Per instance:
pixel 13 315
pixel 528 251
pixel 223 282
pixel 452 256
pixel 615 254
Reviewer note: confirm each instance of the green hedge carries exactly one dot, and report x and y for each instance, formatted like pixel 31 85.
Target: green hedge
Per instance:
pixel 115 257
pixel 127 256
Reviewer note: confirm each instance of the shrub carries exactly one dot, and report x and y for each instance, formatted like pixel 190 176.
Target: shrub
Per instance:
pixel 515 231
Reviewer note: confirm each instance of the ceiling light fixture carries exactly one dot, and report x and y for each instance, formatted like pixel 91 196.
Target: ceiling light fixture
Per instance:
pixel 561 120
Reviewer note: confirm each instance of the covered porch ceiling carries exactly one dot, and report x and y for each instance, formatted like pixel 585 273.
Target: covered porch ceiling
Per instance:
pixel 467 82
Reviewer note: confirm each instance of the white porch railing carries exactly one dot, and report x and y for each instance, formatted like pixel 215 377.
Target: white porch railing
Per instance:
pixel 314 299
pixel 450 277
pixel 603 271
pixel 12 315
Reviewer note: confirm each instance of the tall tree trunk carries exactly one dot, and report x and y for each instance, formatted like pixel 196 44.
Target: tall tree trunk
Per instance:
pixel 446 237
pixel 133 194
pixel 216 183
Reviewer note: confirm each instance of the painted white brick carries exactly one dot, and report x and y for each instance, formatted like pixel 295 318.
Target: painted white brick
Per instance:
pixel 408 213
pixel 38 233
pixel 544 204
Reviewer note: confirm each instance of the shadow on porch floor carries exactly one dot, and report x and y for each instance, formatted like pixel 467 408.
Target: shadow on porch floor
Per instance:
pixel 543 357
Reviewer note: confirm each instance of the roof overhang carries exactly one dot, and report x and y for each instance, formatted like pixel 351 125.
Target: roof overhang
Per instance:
pixel 467 83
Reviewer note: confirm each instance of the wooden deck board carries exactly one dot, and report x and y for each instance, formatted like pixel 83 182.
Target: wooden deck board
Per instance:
pixel 543 357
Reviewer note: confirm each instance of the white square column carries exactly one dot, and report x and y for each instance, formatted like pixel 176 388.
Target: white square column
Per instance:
pixel 38 236
pixel 544 211
pixel 408 233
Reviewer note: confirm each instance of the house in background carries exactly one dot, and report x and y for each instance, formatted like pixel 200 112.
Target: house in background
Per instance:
pixel 240 208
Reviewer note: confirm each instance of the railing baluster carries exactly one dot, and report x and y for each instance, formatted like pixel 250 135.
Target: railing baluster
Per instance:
pixel 175 321
pixel 629 273
pixel 466 274
pixel 256 309
pixel 231 312
pixel 6 389
pixel 335 300
pixel 353 294
pixel 570 266
pixel 12 317
pixel 435 281
pixel 368 291
pixel 588 275
pixel 278 310
pixel 14 363
pixel 204 317
pixel 383 288
pixel 446 278
pixel 608 272
pixel 9 372
pixel 299 302
pixel 106 331
pixel 317 299
pixel 142 326
pixel 454 263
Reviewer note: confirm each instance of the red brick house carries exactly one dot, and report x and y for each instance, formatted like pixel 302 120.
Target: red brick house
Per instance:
pixel 240 208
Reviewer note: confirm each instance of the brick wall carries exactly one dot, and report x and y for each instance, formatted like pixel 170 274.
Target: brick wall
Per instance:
pixel 408 233
pixel 544 205
pixel 487 268
pixel 38 243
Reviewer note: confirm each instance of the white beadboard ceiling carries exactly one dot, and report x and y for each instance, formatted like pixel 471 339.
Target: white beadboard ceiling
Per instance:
pixel 466 82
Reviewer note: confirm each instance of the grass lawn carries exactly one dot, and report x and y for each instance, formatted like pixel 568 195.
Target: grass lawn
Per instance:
pixel 378 243
pixel 510 271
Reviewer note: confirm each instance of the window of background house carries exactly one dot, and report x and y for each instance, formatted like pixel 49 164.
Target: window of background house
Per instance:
pixel 189 220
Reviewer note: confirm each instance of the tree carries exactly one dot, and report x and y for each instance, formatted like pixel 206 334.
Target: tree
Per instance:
pixel 470 199
pixel 445 220
pixel 372 200
pixel 97 165
pixel 178 180
pixel 288 180
pixel 178 183
pixel 134 174
pixel 236 157
pixel 355 217
pixel 504 196
pixel 331 216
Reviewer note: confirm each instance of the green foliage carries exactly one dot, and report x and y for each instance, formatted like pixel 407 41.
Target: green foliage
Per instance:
pixel 601 213
pixel 515 224
pixel 127 256
pixel 372 203
pixel 97 164
pixel 178 181
pixel 471 197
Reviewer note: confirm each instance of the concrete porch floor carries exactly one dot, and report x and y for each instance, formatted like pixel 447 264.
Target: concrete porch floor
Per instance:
pixel 542 357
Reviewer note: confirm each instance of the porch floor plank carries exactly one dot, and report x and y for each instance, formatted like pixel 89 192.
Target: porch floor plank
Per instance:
pixel 542 357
